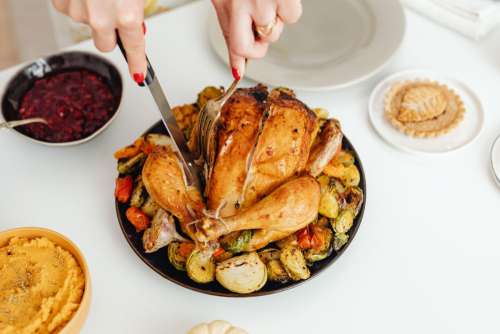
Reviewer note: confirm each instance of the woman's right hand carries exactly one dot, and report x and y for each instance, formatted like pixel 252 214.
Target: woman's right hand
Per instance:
pixel 105 17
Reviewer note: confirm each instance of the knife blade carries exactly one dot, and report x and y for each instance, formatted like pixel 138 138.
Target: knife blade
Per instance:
pixel 187 159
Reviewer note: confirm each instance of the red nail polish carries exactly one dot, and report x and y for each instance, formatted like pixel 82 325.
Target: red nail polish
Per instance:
pixel 144 28
pixel 139 77
pixel 236 74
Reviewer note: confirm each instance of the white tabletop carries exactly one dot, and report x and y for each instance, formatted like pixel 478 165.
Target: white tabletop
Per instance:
pixel 426 257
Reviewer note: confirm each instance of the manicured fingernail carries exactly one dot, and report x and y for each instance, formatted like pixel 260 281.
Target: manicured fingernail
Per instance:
pixel 144 28
pixel 236 74
pixel 139 77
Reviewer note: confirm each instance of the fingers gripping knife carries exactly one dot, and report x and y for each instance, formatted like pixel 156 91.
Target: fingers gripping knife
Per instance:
pixel 191 170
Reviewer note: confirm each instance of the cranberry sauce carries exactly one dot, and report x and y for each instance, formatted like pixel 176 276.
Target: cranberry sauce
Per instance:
pixel 74 103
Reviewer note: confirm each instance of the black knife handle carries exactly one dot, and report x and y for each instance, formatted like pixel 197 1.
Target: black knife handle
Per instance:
pixel 150 74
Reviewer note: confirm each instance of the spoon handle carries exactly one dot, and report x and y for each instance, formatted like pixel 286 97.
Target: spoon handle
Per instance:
pixel 13 124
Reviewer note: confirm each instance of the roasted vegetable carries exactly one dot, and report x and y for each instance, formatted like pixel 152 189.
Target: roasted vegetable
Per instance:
pixel 137 218
pixel 200 266
pixel 353 199
pixel 321 240
pixel 269 254
pixel 303 238
pixel 156 139
pixel 294 263
pixel 150 207
pixel 329 201
pixel 186 115
pixel 208 93
pixel 131 150
pixel 221 254
pixel 175 258
pixel 123 188
pixel 139 194
pixel 132 165
pixel 343 223
pixel 350 177
pixel 339 241
pixel 276 272
pixel 242 274
pixel 344 158
pixel 236 242
pixel 161 233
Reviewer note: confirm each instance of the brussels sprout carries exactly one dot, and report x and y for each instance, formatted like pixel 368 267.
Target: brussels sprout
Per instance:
pixel 339 241
pixel 150 207
pixel 353 199
pixel 343 223
pixel 269 254
pixel 242 274
pixel 132 165
pixel 139 194
pixel 236 242
pixel 295 265
pixel 322 248
pixel 200 266
pixel 351 176
pixel 177 260
pixel 276 272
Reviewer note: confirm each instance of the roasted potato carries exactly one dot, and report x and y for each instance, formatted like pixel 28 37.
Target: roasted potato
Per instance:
pixel 236 242
pixel 294 262
pixel 329 202
pixel 242 274
pixel 157 139
pixel 132 165
pixel 276 272
pixel 208 93
pixel 339 241
pixel 175 258
pixel 139 193
pixel 269 254
pixel 150 207
pixel 344 222
pixel 344 158
pixel 200 266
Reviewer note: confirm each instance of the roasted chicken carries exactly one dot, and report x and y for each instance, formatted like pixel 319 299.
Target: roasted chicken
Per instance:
pixel 270 148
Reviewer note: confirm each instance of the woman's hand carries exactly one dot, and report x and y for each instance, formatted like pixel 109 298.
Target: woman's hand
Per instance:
pixel 238 18
pixel 105 17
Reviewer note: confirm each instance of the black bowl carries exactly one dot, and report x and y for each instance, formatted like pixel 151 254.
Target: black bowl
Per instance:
pixel 24 79
pixel 159 262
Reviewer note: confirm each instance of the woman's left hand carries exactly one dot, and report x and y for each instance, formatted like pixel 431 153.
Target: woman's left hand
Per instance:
pixel 241 19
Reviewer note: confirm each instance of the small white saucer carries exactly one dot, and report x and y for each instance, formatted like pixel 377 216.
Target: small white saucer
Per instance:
pixel 495 160
pixel 464 134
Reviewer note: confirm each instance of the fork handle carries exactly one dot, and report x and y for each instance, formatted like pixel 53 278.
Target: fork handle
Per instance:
pixel 150 73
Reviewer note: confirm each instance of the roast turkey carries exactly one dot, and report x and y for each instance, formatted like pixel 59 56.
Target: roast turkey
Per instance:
pixel 270 148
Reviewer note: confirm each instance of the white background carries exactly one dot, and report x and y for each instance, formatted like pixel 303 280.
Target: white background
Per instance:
pixel 425 259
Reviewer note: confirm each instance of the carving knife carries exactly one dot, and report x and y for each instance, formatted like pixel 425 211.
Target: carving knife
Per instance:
pixel 191 170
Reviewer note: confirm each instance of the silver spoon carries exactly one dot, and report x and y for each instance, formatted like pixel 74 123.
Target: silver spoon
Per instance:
pixel 13 124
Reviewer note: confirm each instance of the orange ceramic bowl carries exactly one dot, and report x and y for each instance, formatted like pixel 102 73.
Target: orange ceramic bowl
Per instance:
pixel 76 323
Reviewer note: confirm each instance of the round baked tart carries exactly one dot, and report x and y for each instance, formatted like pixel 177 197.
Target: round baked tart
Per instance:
pixel 423 108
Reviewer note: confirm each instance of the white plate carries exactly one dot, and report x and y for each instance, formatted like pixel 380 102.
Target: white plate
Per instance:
pixel 336 43
pixel 495 160
pixel 464 134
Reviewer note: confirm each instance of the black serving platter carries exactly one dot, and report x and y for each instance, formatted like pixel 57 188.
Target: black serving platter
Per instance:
pixel 159 262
